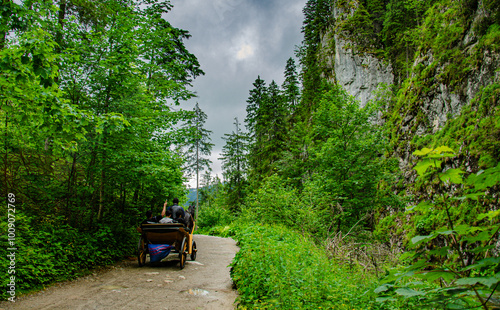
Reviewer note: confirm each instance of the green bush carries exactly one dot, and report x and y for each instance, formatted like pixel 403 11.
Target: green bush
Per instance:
pixel 275 202
pixel 48 251
pixel 213 217
pixel 278 268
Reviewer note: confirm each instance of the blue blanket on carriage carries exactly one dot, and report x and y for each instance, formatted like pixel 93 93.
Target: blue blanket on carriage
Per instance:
pixel 157 252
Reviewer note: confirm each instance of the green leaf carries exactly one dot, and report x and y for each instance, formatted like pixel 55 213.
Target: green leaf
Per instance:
pixel 446 232
pixel 382 288
pixel 473 196
pixel 485 179
pixel 422 166
pixel 422 152
pixel 452 175
pixel 487 281
pixel 490 261
pixel 384 299
pixel 466 229
pixel 484 235
pixel 439 251
pixel 490 215
pixel 424 206
pixel 444 149
pixel 408 292
pixel 419 239
pixel 437 274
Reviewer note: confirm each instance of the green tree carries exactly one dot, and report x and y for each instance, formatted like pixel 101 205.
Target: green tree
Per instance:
pixel 290 86
pixel 90 86
pixel 348 149
pixel 317 18
pixel 204 196
pixel 272 130
pixel 399 34
pixel 266 120
pixel 37 119
pixel 210 191
pixel 198 146
pixel 87 126
pixel 253 121
pixel 197 142
pixel 234 165
pixel 254 102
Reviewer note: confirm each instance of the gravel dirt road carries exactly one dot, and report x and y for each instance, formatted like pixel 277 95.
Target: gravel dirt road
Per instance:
pixel 202 284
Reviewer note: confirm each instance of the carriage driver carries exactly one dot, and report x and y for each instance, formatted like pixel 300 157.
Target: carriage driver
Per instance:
pixel 177 212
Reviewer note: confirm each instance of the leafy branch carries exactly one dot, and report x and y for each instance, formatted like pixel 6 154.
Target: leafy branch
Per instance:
pixel 454 265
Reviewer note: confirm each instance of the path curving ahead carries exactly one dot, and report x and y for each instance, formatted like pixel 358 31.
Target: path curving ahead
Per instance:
pixel 202 284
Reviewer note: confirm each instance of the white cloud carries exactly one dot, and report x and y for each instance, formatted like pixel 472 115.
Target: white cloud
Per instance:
pixel 245 51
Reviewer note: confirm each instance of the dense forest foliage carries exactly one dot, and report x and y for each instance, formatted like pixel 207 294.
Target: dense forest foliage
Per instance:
pixel 90 129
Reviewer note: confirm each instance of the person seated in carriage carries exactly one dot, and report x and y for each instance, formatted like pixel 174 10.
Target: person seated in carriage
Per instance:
pixel 150 219
pixel 172 214
pixel 167 219
pixel 164 218
pixel 177 212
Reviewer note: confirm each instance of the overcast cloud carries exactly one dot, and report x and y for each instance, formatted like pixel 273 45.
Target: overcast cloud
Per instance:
pixel 235 41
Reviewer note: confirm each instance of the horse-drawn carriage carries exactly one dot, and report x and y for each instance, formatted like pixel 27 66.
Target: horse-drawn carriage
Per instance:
pixel 177 236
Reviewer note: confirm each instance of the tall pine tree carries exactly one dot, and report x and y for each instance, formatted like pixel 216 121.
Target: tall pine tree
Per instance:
pixel 234 165
pixel 199 146
pixel 291 86
pixel 254 102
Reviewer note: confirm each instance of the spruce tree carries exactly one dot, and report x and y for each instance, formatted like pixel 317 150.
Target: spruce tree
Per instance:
pixel 269 133
pixel 234 165
pixel 273 137
pixel 317 19
pixel 254 103
pixel 291 89
pixel 198 146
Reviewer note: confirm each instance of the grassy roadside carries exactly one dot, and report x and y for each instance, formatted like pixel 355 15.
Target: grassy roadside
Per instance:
pixel 277 268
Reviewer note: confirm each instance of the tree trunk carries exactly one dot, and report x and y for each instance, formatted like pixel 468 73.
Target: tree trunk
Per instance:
pixel 135 198
pixel 90 180
pixel 197 181
pixel 103 161
pixel 60 19
pixel 123 195
pixel 69 191
pixel 101 194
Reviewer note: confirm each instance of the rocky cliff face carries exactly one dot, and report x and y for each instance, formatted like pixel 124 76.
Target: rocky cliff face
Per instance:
pixel 445 98
pixel 361 73
pixel 436 89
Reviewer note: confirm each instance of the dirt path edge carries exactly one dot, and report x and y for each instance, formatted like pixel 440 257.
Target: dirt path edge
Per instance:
pixel 203 284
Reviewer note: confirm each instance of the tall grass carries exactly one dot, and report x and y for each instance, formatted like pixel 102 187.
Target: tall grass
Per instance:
pixel 277 268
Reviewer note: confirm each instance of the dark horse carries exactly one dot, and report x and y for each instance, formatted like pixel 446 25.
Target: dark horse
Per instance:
pixel 189 217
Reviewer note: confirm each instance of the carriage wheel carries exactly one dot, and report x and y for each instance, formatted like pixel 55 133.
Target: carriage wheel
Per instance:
pixel 141 252
pixel 182 253
pixel 193 253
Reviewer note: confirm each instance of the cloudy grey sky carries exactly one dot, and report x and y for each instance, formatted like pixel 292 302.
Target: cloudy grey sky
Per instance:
pixel 235 41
